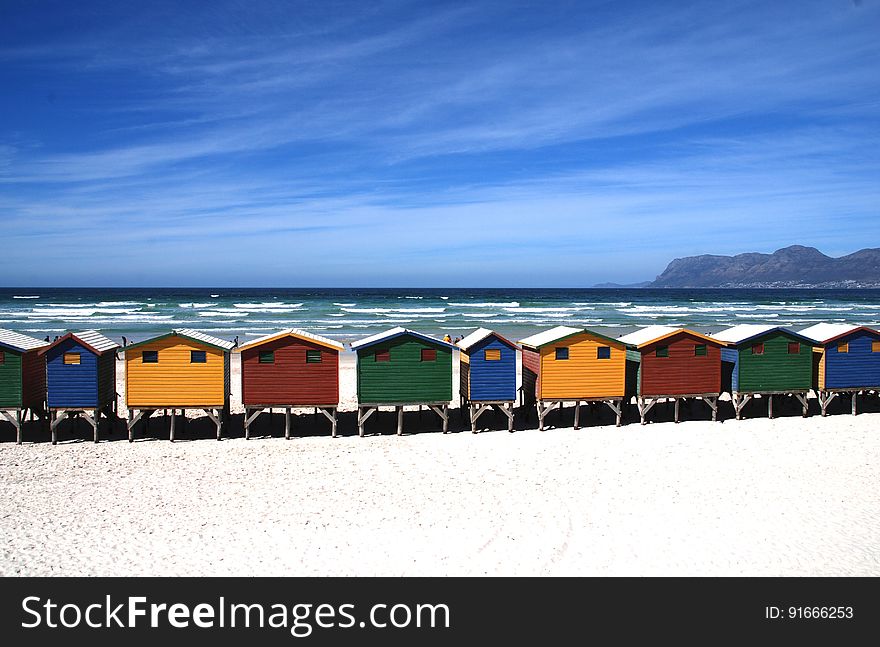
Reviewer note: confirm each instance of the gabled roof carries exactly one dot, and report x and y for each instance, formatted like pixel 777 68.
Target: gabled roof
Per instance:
pixel 91 339
pixel 825 333
pixel 653 334
pixel 193 335
pixel 479 335
pixel 293 332
pixel 562 332
pixel 391 334
pixel 22 343
pixel 746 332
pixel 549 336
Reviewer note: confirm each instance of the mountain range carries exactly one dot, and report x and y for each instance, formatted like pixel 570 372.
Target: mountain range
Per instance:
pixel 795 266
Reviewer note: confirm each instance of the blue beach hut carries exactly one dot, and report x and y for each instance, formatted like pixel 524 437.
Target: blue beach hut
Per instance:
pixel 487 370
pixel 846 361
pixel 81 378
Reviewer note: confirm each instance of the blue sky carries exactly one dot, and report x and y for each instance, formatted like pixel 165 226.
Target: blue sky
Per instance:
pixel 429 144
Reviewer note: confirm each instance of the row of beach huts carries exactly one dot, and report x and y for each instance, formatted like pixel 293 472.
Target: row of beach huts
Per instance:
pixel 75 376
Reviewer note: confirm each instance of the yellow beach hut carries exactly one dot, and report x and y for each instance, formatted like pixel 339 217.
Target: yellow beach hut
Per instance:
pixel 183 369
pixel 566 364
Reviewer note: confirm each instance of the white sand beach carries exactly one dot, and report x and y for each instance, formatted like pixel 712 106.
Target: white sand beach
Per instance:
pixel 788 496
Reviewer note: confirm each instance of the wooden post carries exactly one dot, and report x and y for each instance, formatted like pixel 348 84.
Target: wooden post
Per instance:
pixel 445 418
pixel 473 419
pixel 855 395
pixel 677 401
pixel 171 432
pixel 577 414
pixel 770 405
pixel 18 428
pixel 221 416
pixel 641 405
pixel 54 428
pixel 510 417
pixel 95 423
pixel 399 421
pixel 360 424
pixel 131 425
pixel 333 428
pixel 287 423
pixel 247 424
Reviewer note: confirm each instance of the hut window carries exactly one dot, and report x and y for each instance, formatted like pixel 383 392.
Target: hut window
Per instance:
pixel 794 348
pixel 2 357
pixel 662 351
pixel 383 355
pixel 429 354
pixel 313 357
pixel 71 358
pixel 492 354
pixel 843 347
pixel 562 352
pixel 758 349
pixel 267 357
pixel 198 357
pixel 875 346
pixel 700 350
pixel 603 352
pixel 150 357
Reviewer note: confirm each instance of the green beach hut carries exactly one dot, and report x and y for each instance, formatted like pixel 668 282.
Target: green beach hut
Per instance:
pixel 22 378
pixel 765 361
pixel 401 367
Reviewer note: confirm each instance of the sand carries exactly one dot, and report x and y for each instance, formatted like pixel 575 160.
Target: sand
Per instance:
pixel 787 496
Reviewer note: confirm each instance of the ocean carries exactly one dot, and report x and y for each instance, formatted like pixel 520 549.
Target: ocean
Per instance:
pixel 349 314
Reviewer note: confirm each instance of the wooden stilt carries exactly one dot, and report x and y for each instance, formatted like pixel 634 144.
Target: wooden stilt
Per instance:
pixel 770 406
pixel 287 423
pixel 18 428
pixel 53 425
pixel 855 395
pixel 399 421
pixel 677 401
pixel 510 417
pixel 333 429
pixel 171 430
pixel 577 414
pixel 131 425
pixel 473 419
pixel 445 418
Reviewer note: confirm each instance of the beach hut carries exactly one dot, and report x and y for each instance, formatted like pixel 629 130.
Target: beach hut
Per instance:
pixel 567 364
pixel 401 367
pixel 181 370
pixel 766 361
pixel 667 363
pixel 287 369
pixel 846 360
pixel 487 372
pixel 22 378
pixel 80 378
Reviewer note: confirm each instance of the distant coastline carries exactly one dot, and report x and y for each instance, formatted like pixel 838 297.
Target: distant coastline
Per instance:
pixel 793 267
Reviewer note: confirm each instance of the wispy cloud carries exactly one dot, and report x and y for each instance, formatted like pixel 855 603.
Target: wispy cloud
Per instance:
pixel 574 137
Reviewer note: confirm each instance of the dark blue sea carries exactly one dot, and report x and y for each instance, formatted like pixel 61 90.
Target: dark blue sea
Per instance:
pixel 349 314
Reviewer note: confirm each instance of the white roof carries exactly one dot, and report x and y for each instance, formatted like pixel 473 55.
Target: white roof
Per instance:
pixel 738 333
pixel 394 332
pixel 208 339
pixel 822 332
pixel 96 340
pixel 477 336
pixel 648 334
pixel 20 342
pixel 296 332
pixel 549 336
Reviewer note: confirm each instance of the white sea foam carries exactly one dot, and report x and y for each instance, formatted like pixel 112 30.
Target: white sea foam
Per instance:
pixel 261 307
pixel 408 311
pixel 345 305
pixel 511 304
pixel 17 296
